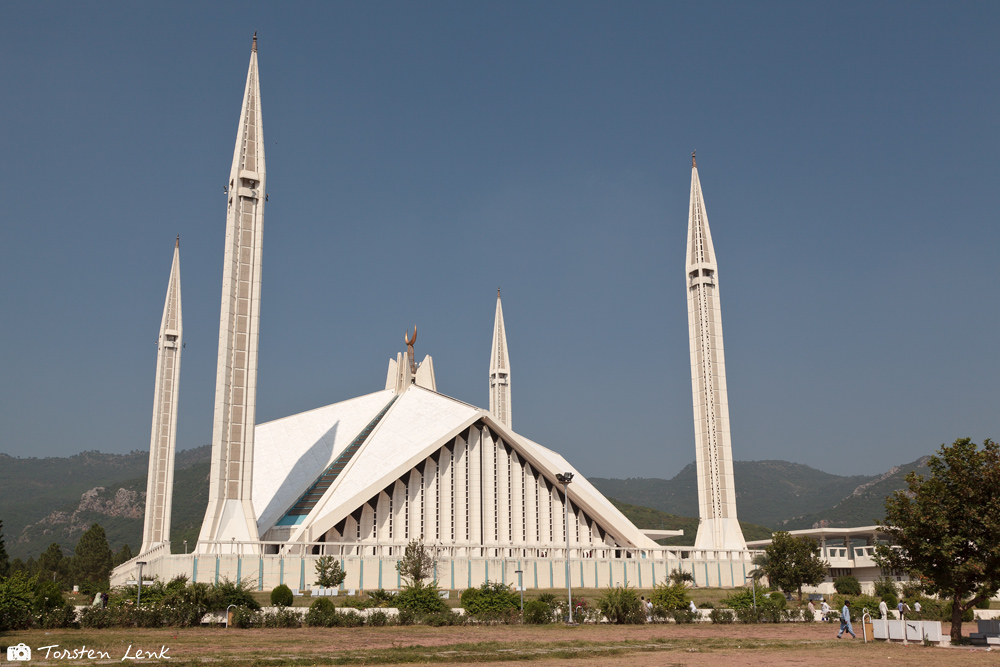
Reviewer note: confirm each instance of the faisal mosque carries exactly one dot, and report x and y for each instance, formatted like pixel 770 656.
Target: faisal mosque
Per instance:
pixel 360 479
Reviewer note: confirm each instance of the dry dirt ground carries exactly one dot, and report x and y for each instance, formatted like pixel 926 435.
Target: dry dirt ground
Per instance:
pixel 636 646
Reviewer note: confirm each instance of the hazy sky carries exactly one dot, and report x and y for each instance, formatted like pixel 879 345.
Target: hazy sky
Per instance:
pixel 421 154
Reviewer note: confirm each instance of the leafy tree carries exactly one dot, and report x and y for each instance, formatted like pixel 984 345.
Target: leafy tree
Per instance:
pixel 847 584
pixel 4 561
pixel 760 564
pixel 124 555
pixel 670 596
pixel 238 593
pixel 678 576
pixel 793 562
pixel 947 526
pixel 421 598
pixel 416 564
pixel 621 605
pixel 17 592
pixel 52 564
pixel 329 573
pixel 492 600
pixel 93 557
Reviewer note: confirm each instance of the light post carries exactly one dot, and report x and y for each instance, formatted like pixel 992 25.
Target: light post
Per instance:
pixel 520 586
pixel 564 479
pixel 138 595
pixel 185 547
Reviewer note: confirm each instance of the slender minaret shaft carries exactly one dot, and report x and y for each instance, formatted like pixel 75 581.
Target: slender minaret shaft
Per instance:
pixel 500 370
pixel 718 527
pixel 230 512
pixel 163 441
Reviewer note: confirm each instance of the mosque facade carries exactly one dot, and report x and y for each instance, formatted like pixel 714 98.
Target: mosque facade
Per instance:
pixel 362 478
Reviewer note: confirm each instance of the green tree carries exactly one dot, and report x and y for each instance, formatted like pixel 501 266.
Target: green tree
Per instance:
pixel 329 573
pixel 51 564
pixel 16 595
pixel 416 564
pixel 4 560
pixel 793 562
pixel 946 527
pixel 93 558
pixel 124 555
pixel 678 576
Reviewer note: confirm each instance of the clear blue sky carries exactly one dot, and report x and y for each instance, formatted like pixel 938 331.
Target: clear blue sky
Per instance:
pixel 421 154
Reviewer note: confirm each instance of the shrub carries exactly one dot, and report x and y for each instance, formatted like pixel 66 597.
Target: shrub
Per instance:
pixel 420 598
pixel 281 596
pixel 491 601
pixel 537 612
pixel 377 619
pixel 983 604
pixel 683 615
pixel 911 589
pixel 847 585
pixel 358 602
pixel 321 614
pixel 237 593
pixel 382 598
pixel 778 600
pixel 724 616
pixel 60 617
pixel 16 595
pixel 351 619
pixel 244 617
pixel 621 605
pixel 443 618
pixel 406 617
pixel 967 616
pixel 742 598
pixel 670 596
pixel 706 605
pixel 282 618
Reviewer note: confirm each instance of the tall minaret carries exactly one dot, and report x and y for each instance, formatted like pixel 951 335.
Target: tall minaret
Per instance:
pixel 500 370
pixel 718 527
pixel 162 442
pixel 230 512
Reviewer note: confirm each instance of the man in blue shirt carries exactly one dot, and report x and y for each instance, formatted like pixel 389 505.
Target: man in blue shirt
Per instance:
pixel 845 620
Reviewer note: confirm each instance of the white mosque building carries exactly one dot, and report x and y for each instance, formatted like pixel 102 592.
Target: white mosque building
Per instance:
pixel 362 478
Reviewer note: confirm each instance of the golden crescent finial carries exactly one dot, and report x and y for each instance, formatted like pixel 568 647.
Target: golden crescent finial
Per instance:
pixel 406 336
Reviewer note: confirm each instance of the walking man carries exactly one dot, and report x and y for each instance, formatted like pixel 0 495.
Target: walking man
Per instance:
pixel 845 620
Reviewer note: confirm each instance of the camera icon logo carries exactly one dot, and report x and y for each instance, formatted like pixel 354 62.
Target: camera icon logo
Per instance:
pixel 19 653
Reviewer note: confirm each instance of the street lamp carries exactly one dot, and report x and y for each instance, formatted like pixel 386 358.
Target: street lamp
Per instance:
pixel 138 595
pixel 185 547
pixel 520 585
pixel 565 478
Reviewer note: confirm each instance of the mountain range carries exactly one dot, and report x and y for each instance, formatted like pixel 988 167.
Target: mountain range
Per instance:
pixel 55 499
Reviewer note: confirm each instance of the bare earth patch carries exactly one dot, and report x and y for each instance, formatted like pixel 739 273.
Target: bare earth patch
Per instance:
pixel 785 644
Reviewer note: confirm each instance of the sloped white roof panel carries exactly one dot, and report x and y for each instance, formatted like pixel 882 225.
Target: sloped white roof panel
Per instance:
pixel 290 453
pixel 419 419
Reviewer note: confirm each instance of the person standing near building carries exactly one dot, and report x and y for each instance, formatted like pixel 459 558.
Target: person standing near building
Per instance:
pixel 825 608
pixel 883 609
pixel 845 620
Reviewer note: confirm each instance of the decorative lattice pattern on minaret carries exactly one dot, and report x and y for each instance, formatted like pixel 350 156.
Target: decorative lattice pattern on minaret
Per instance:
pixel 718 527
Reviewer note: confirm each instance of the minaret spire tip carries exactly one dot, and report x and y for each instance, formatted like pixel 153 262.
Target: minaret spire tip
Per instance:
pixel 694 163
pixel 498 292
pixel 254 47
pixel 178 243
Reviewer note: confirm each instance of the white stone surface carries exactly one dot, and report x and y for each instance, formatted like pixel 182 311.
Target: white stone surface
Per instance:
pixel 231 477
pixel 718 527
pixel 163 439
pixel 293 451
pixel 500 370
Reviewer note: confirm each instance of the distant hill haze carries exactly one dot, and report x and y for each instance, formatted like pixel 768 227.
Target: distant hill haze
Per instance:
pixel 776 494
pixel 55 499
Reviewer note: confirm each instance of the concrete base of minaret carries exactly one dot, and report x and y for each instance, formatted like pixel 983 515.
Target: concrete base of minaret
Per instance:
pixel 234 532
pixel 720 534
